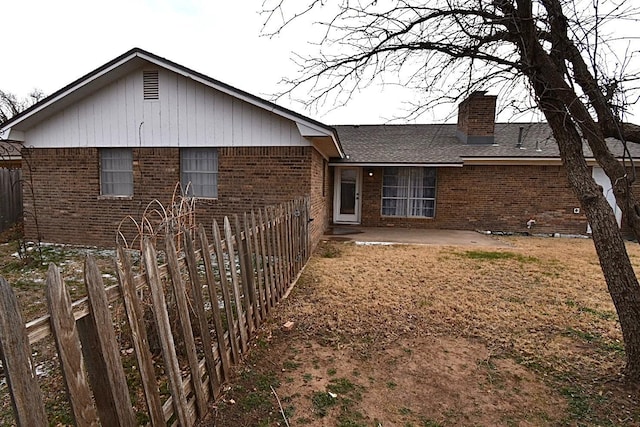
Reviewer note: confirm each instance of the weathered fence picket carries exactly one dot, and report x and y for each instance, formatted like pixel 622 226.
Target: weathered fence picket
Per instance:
pixel 221 339
pixel 165 335
pixel 102 355
pixel 69 349
pixel 226 296
pixel 245 274
pixel 26 397
pixel 198 304
pixel 180 294
pixel 135 315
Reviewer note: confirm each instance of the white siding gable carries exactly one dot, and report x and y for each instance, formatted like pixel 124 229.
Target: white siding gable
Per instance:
pixel 187 114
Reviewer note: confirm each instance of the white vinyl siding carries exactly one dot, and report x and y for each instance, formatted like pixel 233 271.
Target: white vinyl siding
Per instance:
pixel 116 172
pixel 409 192
pixel 199 172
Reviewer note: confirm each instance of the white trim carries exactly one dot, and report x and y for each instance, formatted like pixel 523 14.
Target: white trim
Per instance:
pixel 8 134
pixel 554 161
pixel 511 160
pixel 309 131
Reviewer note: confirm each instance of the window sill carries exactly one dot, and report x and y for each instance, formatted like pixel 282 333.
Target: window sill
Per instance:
pixel 114 197
pixel 407 217
pixel 204 199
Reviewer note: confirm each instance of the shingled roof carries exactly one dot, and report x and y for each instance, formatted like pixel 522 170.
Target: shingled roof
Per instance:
pixel 437 144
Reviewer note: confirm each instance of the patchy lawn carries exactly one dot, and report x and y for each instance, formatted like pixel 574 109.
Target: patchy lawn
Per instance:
pixel 24 265
pixel 439 336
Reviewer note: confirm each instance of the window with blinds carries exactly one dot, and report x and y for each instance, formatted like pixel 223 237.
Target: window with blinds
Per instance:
pixel 199 172
pixel 409 192
pixel 116 172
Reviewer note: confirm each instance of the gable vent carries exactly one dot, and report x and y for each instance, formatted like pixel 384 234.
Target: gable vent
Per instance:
pixel 150 85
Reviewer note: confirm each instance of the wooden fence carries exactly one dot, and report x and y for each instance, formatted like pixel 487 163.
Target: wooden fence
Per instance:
pixel 10 197
pixel 203 305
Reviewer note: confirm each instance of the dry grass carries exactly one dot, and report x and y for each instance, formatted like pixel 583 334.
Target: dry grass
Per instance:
pixel 524 335
pixel 416 336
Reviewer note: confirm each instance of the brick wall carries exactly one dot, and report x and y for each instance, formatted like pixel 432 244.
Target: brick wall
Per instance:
pixel 67 188
pixel 476 116
pixel 320 194
pixel 497 198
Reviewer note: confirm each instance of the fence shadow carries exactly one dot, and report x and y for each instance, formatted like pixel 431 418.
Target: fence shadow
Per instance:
pixel 190 315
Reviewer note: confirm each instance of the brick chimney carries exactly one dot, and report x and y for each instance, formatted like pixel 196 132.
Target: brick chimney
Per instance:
pixel 476 119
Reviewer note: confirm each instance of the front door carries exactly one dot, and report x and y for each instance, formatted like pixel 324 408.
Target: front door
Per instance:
pixel 346 202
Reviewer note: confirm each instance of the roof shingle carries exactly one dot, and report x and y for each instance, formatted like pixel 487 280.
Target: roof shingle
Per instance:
pixel 438 144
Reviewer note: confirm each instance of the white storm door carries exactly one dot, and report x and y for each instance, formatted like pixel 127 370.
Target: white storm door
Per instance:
pixel 346 202
pixel 602 180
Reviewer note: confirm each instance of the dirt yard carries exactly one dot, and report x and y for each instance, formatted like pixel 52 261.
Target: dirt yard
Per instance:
pixel 440 336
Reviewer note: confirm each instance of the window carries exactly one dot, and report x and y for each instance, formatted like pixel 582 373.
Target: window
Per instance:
pixel 409 192
pixel 199 172
pixel 116 172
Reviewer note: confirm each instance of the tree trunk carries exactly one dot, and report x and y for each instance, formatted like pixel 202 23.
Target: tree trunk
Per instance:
pixel 555 99
pixel 612 253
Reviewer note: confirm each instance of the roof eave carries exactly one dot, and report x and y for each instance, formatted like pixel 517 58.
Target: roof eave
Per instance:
pixel 9 134
pixel 391 164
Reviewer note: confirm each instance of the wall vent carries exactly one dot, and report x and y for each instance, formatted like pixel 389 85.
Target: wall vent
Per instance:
pixel 150 84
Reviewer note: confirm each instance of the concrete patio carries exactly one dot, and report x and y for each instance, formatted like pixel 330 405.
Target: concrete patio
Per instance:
pixel 410 236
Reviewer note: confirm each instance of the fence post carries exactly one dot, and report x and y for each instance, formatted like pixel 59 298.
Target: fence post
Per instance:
pixel 102 355
pixel 63 326
pixel 26 397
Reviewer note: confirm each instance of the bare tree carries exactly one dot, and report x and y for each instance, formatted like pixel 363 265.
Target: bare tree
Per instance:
pixel 10 105
pixel 579 75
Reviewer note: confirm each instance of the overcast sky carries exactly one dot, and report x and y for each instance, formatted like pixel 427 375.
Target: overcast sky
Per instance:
pixel 48 44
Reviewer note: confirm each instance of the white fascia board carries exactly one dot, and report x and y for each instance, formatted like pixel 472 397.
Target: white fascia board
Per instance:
pixel 524 161
pixel 512 160
pixel 309 131
pixel 374 165
pixel 7 134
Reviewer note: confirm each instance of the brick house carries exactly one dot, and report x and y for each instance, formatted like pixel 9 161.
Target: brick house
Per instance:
pixel 104 146
pixel 475 174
